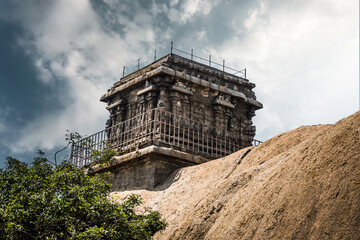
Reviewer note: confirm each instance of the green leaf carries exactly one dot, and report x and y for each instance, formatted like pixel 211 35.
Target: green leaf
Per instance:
pixel 39 201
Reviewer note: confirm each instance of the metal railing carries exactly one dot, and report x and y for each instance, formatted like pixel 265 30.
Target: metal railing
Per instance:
pixel 209 62
pixel 127 70
pixel 161 128
pixel 257 142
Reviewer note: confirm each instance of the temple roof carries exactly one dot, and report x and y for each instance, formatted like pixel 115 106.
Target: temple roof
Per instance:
pixel 190 71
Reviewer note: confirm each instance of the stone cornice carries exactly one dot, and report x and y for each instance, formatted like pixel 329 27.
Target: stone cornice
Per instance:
pixel 224 103
pixel 115 104
pixel 181 89
pixel 185 76
pixel 145 90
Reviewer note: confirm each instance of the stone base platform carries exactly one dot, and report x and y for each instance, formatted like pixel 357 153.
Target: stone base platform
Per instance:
pixel 145 168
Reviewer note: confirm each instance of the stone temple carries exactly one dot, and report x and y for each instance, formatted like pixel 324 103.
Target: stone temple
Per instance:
pixel 175 112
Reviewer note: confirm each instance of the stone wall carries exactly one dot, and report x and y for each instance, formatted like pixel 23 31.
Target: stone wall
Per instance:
pixel 191 90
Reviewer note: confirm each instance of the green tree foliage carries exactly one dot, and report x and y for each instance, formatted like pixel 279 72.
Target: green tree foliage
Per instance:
pixel 40 201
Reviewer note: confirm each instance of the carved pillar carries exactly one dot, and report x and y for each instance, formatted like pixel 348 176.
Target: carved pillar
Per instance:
pixel 180 100
pixel 234 133
pixel 151 99
pixel 117 115
pixel 147 99
pixel 222 109
pixel 247 130
pixel 117 111
pixel 121 113
pixel 175 101
pixel 163 100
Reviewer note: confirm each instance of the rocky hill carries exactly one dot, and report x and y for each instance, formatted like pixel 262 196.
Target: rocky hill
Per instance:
pixel 303 184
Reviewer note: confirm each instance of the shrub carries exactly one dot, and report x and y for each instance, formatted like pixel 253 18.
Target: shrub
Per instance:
pixel 40 201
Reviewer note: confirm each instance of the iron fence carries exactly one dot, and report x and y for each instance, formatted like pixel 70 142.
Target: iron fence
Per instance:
pixel 161 128
pixel 127 70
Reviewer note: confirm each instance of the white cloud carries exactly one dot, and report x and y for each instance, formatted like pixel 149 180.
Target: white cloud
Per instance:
pixel 255 17
pixel 268 124
pixel 69 44
pixel 303 57
pixel 43 73
pixel 173 2
pixel 84 115
pixel 201 35
pixel 190 8
pixel 174 15
pixel 60 27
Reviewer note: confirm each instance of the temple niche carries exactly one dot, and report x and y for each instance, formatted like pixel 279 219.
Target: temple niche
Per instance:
pixel 176 112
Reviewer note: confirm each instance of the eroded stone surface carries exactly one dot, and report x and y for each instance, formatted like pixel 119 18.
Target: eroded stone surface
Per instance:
pixel 191 90
pixel 203 112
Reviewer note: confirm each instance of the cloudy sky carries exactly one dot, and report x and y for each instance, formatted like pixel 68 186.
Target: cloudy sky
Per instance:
pixel 58 57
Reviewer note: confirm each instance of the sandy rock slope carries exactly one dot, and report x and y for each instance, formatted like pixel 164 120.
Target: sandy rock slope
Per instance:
pixel 303 184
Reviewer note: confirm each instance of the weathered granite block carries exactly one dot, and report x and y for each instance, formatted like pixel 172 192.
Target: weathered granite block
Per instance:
pixel 172 113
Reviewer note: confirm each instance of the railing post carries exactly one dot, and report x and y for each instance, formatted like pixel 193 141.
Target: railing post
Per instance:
pixel 192 54
pixel 209 60
pixel 155 56
pixel 164 127
pixel 223 65
pixel 154 130
pixel 123 71
pixel 138 63
pixel 171 47
pixel 71 153
pixel 245 72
